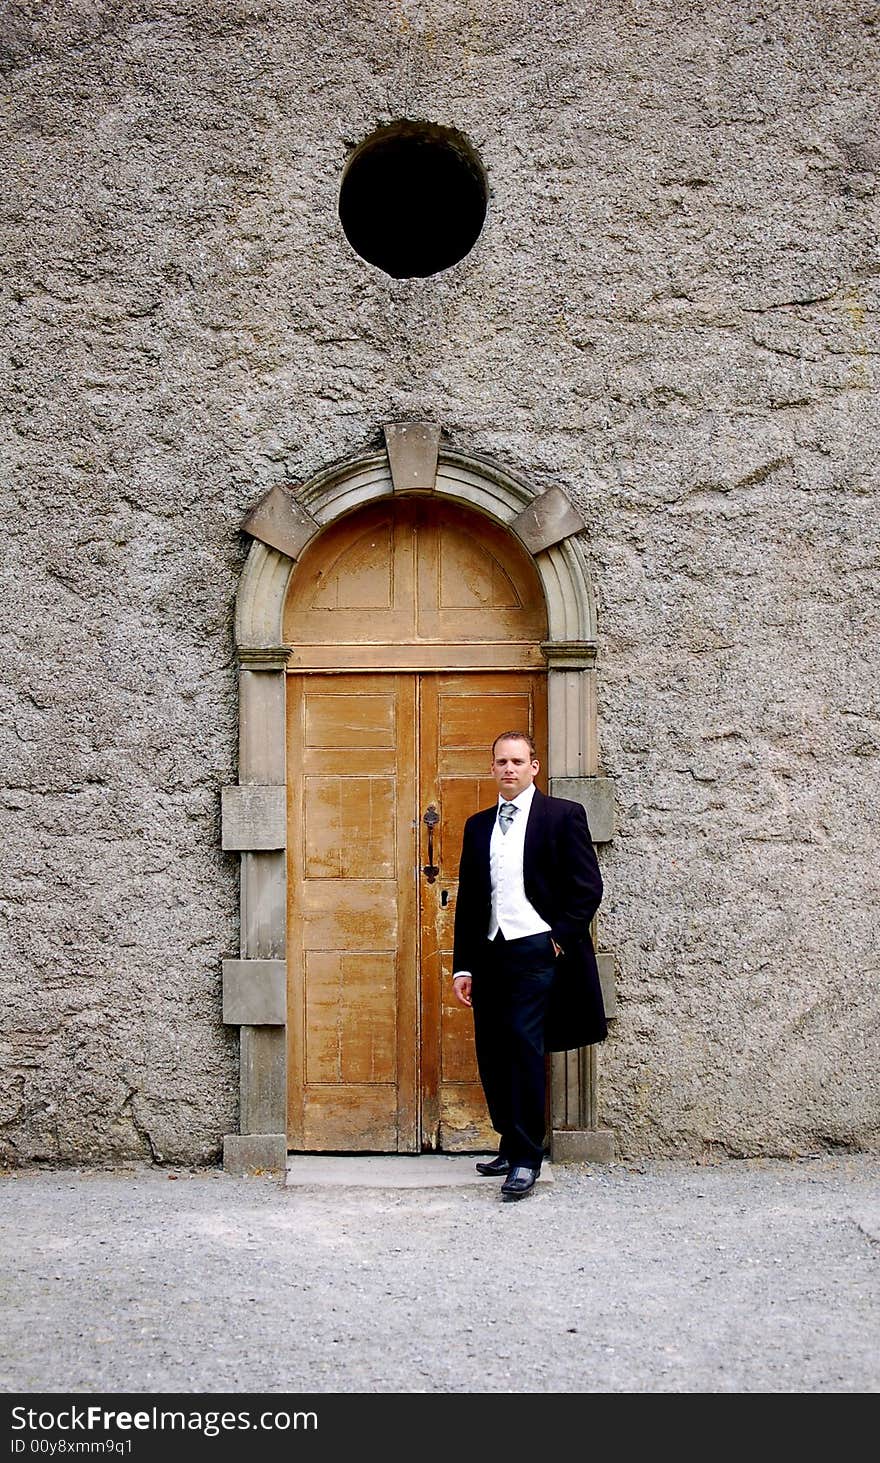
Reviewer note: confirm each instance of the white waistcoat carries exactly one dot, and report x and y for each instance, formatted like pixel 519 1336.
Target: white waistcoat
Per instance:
pixel 511 911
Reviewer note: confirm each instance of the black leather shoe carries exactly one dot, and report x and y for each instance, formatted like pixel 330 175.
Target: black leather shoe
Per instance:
pixel 520 1183
pixel 494 1169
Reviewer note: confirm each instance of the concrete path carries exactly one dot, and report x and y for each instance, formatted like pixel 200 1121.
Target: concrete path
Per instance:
pixel 753 1276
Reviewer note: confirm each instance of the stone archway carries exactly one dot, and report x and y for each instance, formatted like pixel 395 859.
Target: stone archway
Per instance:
pixel 254 811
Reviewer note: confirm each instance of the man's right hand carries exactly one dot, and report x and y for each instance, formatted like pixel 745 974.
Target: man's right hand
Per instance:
pixel 462 987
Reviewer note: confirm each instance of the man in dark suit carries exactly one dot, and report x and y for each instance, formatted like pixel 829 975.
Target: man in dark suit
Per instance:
pixel 529 885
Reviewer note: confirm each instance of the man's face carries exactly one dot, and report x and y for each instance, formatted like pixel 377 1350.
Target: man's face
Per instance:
pixel 513 767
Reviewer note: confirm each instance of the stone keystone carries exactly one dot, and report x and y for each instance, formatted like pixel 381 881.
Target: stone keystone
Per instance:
pixel 413 448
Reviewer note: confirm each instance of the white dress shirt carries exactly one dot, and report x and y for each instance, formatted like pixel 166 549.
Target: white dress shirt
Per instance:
pixel 511 912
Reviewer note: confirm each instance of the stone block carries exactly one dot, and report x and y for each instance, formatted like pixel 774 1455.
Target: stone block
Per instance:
pixel 261 725
pixel 413 448
pixel 263 1079
pixel 255 992
pixel 605 962
pixel 279 521
pixel 245 1153
pixel 583 1145
pixel 546 521
pixel 263 887
pixel 597 796
pixel 254 818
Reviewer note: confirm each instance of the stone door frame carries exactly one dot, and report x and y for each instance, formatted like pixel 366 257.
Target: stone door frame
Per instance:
pixel 254 812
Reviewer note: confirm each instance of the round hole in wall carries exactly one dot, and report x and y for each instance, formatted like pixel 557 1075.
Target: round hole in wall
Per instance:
pixel 413 199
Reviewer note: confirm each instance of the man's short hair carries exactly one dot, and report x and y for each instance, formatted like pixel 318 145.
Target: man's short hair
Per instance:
pixel 516 736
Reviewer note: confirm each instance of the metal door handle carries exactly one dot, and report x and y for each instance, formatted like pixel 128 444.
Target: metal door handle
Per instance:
pixel 431 819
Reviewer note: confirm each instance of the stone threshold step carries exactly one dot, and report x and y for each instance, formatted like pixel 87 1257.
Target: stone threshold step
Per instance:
pixel 392 1171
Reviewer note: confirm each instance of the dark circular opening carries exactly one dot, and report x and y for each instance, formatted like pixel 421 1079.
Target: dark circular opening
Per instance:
pixel 413 199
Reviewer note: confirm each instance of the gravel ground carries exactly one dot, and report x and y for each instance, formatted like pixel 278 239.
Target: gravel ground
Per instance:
pixel 752 1276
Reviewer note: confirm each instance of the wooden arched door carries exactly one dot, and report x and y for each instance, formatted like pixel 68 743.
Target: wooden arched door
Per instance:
pixel 416 629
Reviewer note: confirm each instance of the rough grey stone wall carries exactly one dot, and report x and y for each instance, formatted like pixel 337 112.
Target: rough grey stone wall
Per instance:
pixel 672 312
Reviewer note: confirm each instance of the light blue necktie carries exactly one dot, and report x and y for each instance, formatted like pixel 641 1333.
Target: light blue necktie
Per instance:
pixel 505 815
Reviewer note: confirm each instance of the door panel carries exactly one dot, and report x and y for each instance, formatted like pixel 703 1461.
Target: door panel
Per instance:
pixel 356 583
pixel 352 992
pixel 410 583
pixel 459 718
pixel 475 586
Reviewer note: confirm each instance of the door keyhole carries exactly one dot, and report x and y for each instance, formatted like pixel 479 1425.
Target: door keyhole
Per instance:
pixel 444 898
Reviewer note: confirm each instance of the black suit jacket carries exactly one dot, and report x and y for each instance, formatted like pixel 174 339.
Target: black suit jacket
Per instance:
pixel 563 883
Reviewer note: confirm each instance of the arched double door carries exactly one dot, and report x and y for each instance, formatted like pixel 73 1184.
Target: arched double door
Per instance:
pixel 416 629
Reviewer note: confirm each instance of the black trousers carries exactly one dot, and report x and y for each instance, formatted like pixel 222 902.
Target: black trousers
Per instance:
pixel 510 993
